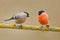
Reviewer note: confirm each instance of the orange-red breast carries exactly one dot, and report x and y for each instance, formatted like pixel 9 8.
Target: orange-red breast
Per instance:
pixel 43 18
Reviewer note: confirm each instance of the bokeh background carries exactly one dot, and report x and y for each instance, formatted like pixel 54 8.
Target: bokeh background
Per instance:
pixel 9 8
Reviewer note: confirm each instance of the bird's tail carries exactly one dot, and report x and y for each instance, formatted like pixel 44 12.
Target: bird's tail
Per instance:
pixel 8 19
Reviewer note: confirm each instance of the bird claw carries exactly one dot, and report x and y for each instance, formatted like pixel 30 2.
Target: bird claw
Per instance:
pixel 47 26
pixel 18 26
pixel 41 28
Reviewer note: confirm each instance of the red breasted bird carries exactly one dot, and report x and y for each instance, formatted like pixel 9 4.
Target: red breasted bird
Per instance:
pixel 43 18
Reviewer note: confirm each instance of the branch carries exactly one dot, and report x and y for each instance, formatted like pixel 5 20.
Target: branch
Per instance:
pixel 29 27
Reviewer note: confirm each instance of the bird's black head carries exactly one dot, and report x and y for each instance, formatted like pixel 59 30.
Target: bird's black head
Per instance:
pixel 40 12
pixel 27 14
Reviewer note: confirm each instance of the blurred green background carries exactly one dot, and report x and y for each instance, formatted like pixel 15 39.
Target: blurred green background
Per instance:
pixel 9 8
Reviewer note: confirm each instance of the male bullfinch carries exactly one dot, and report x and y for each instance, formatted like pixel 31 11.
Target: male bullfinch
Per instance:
pixel 43 18
pixel 19 18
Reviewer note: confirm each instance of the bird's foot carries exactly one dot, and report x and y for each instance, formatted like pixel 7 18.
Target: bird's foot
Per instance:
pixel 47 26
pixel 18 26
pixel 41 28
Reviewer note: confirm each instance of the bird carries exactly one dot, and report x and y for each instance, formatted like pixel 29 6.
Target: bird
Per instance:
pixel 19 18
pixel 43 18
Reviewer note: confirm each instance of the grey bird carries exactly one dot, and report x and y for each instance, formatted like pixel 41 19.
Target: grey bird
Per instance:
pixel 19 18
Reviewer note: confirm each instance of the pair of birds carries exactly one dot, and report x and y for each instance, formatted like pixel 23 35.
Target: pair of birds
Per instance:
pixel 20 18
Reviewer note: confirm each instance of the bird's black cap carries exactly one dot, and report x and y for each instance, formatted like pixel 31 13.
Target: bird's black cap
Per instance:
pixel 27 14
pixel 40 12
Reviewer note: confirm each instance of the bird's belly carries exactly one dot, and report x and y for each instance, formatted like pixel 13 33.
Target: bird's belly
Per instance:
pixel 19 21
pixel 44 21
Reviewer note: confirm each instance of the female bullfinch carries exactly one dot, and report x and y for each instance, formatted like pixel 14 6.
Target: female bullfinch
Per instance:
pixel 19 18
